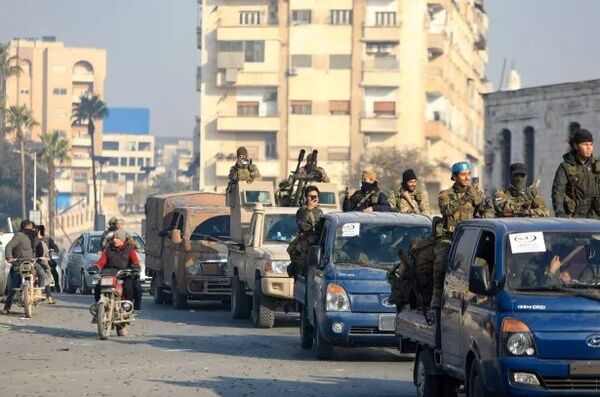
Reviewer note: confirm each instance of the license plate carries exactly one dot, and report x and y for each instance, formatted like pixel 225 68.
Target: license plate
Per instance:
pixel 386 322
pixel 585 368
pixel 106 282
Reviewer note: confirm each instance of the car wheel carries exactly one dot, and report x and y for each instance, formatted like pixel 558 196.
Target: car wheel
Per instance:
pixel 427 384
pixel 263 314
pixel 323 349
pixel 306 330
pixel 69 287
pixel 84 289
pixel 178 300
pixel 157 292
pixel 475 386
pixel 241 305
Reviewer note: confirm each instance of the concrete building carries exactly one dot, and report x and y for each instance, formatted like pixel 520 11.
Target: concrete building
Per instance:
pixel 343 77
pixel 174 157
pixel 53 79
pixel 127 147
pixel 531 125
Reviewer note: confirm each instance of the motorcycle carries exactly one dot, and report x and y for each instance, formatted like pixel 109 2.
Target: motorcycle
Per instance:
pixel 112 311
pixel 29 294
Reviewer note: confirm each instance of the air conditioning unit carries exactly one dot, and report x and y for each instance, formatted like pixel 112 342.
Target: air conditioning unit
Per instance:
pixel 270 96
pixel 292 72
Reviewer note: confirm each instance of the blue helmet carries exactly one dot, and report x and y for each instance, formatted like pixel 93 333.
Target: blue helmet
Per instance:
pixel 462 166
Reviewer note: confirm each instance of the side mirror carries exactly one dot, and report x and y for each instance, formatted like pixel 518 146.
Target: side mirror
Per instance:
pixel 314 256
pixel 479 280
pixel 176 236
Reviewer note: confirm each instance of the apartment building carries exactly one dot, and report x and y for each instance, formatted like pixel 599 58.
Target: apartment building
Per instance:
pixel 54 77
pixel 174 156
pixel 344 77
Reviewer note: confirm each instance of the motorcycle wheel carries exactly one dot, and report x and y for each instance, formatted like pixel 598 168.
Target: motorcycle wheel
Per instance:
pixel 104 324
pixel 28 302
pixel 123 330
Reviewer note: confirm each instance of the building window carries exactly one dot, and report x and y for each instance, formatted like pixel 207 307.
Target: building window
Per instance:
pixel 110 145
pixel 59 91
pixel 385 18
pixel 140 162
pixel 249 17
pixel 132 161
pixel 301 107
pixel 505 150
pixel 123 161
pixel 340 61
pixel 113 161
pixel 247 109
pixel 24 91
pixel 254 51
pixel 144 146
pixel 340 17
pixel 301 16
pixel 529 153
pixel 271 147
pixel 339 107
pixel 302 61
pixel 379 49
pixel 231 46
pixel 387 108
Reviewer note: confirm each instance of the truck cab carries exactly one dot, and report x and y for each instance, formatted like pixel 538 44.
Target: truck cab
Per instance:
pixel 519 315
pixel 344 299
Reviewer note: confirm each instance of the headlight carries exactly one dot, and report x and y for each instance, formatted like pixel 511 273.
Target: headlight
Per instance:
pixel 195 268
pixel 517 338
pixel 337 299
pixel 279 267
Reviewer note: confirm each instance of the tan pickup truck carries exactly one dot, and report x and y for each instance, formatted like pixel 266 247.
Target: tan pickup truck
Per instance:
pixel 183 249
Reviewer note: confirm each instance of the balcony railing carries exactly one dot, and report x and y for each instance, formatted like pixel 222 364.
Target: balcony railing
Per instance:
pixel 248 123
pixel 379 124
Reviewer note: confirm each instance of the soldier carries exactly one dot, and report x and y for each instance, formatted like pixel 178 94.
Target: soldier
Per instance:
pixel 460 202
pixel 575 189
pixel 518 200
pixel 243 170
pixel 409 200
pixel 368 198
pixel 307 218
pixel 313 172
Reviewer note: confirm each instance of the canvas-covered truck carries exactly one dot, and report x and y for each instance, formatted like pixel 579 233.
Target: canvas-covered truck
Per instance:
pixel 258 258
pixel 183 247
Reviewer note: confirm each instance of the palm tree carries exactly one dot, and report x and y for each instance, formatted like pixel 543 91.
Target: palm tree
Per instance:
pixel 8 67
pixel 90 108
pixel 19 121
pixel 55 150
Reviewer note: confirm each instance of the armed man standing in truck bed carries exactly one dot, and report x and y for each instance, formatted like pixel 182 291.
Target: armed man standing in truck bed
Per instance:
pixel 408 199
pixel 307 218
pixel 243 169
pixel 519 200
pixel 368 198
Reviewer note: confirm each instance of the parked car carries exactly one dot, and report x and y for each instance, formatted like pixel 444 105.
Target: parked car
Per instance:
pixel 4 265
pixel 84 252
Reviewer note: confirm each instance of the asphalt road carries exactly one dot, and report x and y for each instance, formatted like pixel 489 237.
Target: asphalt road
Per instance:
pixel 201 352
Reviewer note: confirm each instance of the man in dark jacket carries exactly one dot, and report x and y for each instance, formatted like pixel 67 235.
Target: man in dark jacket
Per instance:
pixel 575 190
pixel 368 198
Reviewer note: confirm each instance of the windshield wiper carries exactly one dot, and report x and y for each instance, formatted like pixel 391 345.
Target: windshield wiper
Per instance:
pixel 569 290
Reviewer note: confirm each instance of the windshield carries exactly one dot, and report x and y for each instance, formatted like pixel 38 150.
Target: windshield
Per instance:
pixel 327 198
pixel 280 228
pixel 95 244
pixel 372 244
pixel 545 261
pixel 257 196
pixel 217 227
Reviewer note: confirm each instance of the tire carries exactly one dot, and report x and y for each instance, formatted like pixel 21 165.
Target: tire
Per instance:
pixel 28 302
pixel 323 349
pixel 306 330
pixel 69 288
pixel 475 387
pixel 57 286
pixel 104 324
pixel 178 301
pixel 263 315
pixel 84 289
pixel 157 293
pixel 123 330
pixel 241 305
pixel 427 384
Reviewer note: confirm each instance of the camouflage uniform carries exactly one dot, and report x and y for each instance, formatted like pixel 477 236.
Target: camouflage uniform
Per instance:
pixel 575 190
pixel 247 172
pixel 308 222
pixel 418 204
pixel 511 202
pixel 456 204
pixel 362 199
pixel 313 174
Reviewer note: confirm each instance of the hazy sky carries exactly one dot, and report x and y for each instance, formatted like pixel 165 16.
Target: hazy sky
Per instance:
pixel 152 52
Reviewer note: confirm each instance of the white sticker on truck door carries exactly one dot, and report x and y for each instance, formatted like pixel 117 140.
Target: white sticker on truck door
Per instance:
pixel 350 229
pixel 524 243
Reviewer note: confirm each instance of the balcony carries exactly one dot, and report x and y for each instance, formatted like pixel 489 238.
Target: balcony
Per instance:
pixel 437 41
pixel 84 142
pixel 248 123
pixel 382 33
pixel 379 124
pixel 381 72
pixel 436 130
pixel 248 79
pixel 247 32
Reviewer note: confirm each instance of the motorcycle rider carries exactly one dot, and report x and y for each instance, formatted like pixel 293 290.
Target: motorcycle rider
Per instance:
pixel 19 249
pixel 114 224
pixel 50 246
pixel 118 255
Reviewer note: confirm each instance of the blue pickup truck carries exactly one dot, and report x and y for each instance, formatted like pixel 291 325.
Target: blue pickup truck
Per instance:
pixel 344 299
pixel 520 315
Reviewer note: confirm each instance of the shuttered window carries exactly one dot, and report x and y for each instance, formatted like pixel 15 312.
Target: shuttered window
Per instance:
pixel 246 109
pixel 384 108
pixel 339 107
pixel 301 107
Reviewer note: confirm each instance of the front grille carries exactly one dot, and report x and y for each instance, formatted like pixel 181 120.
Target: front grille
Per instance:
pixel 579 383
pixel 210 286
pixel 368 331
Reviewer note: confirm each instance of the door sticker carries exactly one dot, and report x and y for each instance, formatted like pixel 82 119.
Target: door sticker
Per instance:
pixel 524 243
pixel 350 229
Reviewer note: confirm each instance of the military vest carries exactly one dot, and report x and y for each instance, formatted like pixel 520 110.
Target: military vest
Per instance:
pixel 464 212
pixel 582 188
pixel 117 259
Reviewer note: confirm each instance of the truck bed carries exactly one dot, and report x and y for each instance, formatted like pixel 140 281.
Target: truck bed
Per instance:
pixel 412 325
